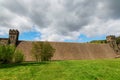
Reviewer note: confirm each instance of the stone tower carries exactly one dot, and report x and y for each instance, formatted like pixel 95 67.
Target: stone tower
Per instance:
pixel 111 40
pixel 13 37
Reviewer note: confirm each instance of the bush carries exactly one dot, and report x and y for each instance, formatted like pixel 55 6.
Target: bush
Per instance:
pixel 8 53
pixel 18 56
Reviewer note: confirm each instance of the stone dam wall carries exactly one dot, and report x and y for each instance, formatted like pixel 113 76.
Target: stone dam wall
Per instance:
pixel 71 51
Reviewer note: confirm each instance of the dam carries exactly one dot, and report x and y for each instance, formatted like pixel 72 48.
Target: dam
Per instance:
pixel 65 50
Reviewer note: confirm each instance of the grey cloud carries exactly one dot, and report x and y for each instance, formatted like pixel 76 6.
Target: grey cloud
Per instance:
pixel 114 7
pixel 110 10
pixel 75 15
pixel 35 11
pixel 5 18
pixel 61 18
pixel 39 17
pixel 15 6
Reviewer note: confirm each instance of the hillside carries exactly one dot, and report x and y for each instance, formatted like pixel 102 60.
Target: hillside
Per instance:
pixel 72 51
pixel 63 70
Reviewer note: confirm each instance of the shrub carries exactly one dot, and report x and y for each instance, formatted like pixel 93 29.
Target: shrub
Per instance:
pixel 18 56
pixel 8 53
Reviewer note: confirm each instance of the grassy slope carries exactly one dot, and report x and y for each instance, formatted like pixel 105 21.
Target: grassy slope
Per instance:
pixel 63 70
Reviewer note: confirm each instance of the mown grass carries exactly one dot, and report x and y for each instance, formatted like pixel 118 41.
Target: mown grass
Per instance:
pixel 62 70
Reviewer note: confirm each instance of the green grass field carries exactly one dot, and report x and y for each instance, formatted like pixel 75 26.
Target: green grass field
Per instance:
pixel 63 70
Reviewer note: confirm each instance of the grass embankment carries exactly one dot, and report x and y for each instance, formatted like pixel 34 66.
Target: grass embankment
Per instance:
pixel 63 70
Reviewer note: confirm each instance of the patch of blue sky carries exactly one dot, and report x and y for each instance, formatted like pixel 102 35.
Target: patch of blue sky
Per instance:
pixel 83 38
pixel 4 36
pixel 30 36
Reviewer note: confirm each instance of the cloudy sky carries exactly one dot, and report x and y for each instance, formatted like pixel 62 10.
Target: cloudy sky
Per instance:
pixel 60 20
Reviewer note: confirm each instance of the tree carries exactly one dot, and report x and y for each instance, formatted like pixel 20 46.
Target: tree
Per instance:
pixel 42 51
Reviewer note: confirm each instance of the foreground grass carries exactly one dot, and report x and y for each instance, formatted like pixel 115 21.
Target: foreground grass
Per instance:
pixel 63 70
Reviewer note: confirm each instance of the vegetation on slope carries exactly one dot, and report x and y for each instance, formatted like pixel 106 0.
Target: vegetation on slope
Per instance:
pixel 62 70
pixel 118 40
pixel 98 41
pixel 104 41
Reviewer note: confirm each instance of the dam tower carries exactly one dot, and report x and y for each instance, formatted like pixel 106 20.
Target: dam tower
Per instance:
pixel 13 37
